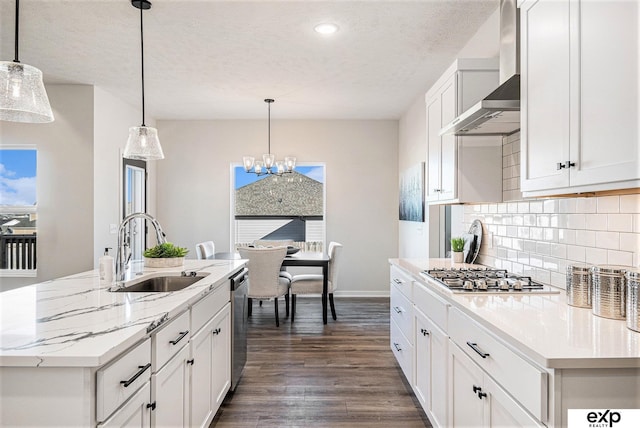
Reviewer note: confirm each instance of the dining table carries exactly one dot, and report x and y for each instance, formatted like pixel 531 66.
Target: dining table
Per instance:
pixel 301 258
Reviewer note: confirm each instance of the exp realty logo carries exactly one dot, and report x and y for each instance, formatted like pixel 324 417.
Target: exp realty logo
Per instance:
pixel 603 418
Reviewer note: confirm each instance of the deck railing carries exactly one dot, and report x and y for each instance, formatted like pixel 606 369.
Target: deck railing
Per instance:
pixel 18 252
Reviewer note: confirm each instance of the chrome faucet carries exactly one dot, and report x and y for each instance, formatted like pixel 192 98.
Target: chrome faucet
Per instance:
pixel 122 258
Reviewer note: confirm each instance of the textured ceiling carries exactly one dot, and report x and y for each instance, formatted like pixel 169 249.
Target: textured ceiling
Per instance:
pixel 219 59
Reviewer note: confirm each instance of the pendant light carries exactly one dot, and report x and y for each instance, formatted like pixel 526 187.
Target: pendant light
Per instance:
pixel 143 142
pixel 268 161
pixel 22 94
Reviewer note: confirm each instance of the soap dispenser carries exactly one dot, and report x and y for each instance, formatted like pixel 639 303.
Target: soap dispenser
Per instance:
pixel 107 267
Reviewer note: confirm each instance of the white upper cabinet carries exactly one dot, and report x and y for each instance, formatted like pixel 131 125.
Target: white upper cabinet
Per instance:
pixel 462 169
pixel 579 96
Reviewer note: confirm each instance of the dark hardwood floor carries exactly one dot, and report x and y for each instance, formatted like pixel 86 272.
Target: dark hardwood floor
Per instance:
pixel 308 374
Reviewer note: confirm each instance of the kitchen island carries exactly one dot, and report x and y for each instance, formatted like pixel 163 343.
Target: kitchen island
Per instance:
pixel 62 340
pixel 524 358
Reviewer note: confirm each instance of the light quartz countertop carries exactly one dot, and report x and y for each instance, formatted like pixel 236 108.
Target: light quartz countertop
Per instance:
pixel 76 322
pixel 542 327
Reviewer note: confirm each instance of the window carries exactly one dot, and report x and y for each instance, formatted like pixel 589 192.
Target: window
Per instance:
pixel 291 206
pixel 18 211
pixel 134 179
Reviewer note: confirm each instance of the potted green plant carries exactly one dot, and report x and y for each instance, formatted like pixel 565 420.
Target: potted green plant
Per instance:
pixel 457 248
pixel 164 255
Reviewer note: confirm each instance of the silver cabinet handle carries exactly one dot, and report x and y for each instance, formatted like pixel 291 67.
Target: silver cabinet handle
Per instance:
pixel 425 332
pixel 398 310
pixel 398 348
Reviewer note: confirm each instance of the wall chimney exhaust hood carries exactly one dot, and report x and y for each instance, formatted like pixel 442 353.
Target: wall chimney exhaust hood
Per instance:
pixel 499 112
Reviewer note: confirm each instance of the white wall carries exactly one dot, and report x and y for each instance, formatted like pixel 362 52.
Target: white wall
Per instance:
pixel 113 118
pixel 361 178
pixel 413 239
pixel 419 240
pixel 64 183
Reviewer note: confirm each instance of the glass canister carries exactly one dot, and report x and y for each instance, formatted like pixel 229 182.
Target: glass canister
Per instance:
pixel 633 300
pixel 579 286
pixel 609 291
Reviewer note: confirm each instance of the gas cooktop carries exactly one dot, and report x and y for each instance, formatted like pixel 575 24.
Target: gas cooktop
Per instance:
pixel 486 280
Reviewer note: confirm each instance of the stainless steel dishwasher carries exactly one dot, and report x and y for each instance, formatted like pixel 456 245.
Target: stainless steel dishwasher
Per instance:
pixel 238 326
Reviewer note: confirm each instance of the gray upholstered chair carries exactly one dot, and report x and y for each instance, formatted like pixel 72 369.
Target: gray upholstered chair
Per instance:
pixel 259 243
pixel 205 250
pixel 264 281
pixel 312 283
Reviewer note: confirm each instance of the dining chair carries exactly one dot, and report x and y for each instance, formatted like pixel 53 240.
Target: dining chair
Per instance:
pixel 312 283
pixel 205 250
pixel 264 281
pixel 259 243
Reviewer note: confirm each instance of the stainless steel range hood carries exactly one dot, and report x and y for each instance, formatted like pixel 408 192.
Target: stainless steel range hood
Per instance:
pixel 499 112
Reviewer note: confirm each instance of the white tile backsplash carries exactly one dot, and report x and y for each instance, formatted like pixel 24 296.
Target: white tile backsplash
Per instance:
pixel 609 204
pixel 620 222
pixel 629 203
pixel 544 236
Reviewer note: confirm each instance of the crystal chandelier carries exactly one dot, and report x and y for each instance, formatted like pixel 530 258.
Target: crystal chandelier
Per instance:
pixel 268 162
pixel 22 94
pixel 143 142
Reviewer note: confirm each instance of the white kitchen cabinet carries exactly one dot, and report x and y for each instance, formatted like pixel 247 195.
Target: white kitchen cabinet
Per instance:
pixel 221 356
pixel 579 75
pixel 462 169
pixel 201 376
pixel 170 392
pixel 211 368
pixel 477 400
pixel 136 413
pixel 401 321
pixel 430 387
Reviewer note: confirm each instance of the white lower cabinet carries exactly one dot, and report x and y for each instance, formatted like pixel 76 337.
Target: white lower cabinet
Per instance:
pixel 201 377
pixel 401 322
pixel 211 368
pixel 475 400
pixel 187 375
pixel 136 413
pixel 430 386
pixel 170 392
pixel 221 376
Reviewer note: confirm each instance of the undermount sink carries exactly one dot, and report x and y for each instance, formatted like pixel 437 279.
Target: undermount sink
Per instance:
pixel 159 284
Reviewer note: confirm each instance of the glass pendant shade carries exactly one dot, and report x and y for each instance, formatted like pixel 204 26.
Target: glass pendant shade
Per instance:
pixel 268 159
pixel 143 144
pixel 289 163
pixel 247 161
pixel 258 167
pixel 22 94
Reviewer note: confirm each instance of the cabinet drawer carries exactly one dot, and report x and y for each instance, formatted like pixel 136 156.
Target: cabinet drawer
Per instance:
pixel 431 305
pixel 402 313
pixel 119 380
pixel 210 305
pixel 403 351
pixel 169 340
pixel 402 280
pixel 525 382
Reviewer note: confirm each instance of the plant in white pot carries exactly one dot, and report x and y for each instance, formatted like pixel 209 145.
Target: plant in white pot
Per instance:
pixel 164 255
pixel 457 248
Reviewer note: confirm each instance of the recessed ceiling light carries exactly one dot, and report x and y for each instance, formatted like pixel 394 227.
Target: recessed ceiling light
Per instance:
pixel 326 28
